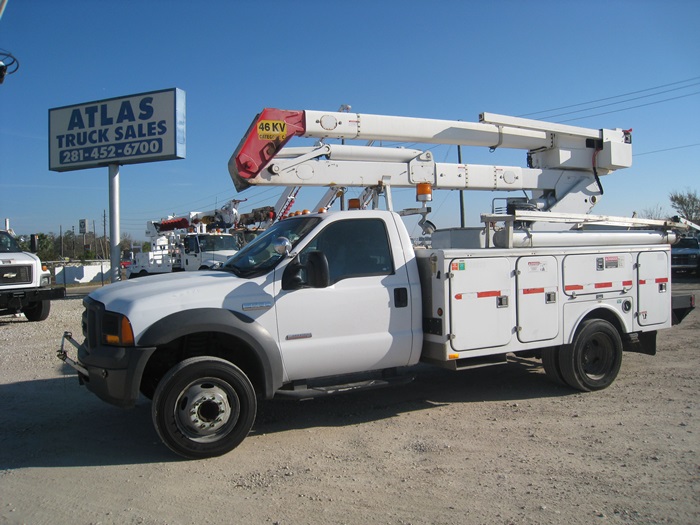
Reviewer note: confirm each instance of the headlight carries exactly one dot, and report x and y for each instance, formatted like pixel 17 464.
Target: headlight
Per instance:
pixel 116 330
pixel 45 281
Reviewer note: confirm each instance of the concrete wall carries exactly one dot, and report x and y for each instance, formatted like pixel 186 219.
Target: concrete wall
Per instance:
pixel 82 273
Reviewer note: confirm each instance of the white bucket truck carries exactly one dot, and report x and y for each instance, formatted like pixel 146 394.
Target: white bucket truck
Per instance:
pixel 190 242
pixel 319 298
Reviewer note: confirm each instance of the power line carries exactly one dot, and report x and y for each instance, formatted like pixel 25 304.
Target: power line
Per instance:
pixel 612 97
pixel 666 149
pixel 623 101
pixel 631 107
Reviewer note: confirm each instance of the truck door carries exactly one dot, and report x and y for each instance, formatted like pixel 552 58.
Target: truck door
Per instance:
pixel 363 320
pixel 654 300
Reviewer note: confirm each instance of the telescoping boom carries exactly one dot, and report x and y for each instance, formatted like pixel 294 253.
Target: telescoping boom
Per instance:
pixel 563 162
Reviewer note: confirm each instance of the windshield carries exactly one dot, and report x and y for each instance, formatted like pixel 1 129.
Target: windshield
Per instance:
pixel 259 256
pixel 8 244
pixel 217 243
pixel 687 242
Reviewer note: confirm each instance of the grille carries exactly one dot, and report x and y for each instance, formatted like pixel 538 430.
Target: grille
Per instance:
pixel 15 274
pixel 682 259
pixel 92 322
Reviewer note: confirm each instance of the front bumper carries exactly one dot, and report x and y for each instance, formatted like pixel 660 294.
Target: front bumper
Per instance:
pixel 22 297
pixel 111 373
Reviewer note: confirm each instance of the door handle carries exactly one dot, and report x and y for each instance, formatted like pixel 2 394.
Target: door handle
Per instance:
pixel 400 297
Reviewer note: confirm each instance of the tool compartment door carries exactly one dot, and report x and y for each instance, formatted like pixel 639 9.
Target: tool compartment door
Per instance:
pixel 481 309
pixel 537 308
pixel 597 274
pixel 654 299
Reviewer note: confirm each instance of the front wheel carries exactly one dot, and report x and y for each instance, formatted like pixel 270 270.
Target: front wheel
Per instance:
pixel 203 407
pixel 593 360
pixel 38 311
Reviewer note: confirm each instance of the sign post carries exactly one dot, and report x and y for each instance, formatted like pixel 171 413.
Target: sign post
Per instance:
pixel 146 127
pixel 114 221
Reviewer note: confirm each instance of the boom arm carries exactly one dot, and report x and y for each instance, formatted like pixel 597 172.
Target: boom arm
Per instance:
pixel 564 162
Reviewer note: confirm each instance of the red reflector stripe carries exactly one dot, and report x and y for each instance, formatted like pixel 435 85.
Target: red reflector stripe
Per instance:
pixel 527 291
pixel 458 296
pixel 642 281
pixel 662 280
pixel 490 293
pixel 570 287
pixel 626 283
pixel 603 285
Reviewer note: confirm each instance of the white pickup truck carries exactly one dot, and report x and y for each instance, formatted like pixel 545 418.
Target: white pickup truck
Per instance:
pixel 25 283
pixel 318 298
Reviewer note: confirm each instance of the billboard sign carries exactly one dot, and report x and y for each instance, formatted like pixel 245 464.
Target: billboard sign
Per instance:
pixel 139 128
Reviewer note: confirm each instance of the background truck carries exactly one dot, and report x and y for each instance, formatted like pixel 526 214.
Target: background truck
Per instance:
pixel 190 242
pixel 685 255
pixel 205 240
pixel 25 283
pixel 329 302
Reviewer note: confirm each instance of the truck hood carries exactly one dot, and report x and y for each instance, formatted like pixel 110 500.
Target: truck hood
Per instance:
pixel 147 299
pixel 19 258
pixel 684 251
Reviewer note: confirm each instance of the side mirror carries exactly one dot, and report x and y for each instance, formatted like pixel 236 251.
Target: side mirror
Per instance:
pixel 311 274
pixel 282 246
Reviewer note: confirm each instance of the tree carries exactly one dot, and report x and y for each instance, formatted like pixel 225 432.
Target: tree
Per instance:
pixel 687 204
pixel 44 247
pixel 655 213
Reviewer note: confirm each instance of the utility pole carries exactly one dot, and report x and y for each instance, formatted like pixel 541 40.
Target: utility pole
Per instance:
pixel 104 234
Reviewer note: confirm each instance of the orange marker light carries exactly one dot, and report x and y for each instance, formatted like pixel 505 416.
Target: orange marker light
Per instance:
pixel 424 192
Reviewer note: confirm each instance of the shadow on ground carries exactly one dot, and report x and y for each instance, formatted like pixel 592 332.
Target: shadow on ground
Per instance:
pixel 57 423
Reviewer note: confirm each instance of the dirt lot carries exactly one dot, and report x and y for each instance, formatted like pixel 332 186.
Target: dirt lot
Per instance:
pixel 500 445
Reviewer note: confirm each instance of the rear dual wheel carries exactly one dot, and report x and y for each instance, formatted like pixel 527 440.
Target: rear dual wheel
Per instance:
pixel 591 362
pixel 203 407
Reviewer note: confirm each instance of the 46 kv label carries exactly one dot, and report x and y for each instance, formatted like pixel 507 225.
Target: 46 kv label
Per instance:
pixel 272 130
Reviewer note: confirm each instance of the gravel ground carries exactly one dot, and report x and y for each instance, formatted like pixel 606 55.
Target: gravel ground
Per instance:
pixel 500 445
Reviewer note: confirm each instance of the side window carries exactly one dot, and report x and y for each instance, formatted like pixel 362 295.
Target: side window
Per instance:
pixel 192 244
pixel 355 248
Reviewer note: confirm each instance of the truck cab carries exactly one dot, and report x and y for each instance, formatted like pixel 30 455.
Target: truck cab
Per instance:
pixel 25 283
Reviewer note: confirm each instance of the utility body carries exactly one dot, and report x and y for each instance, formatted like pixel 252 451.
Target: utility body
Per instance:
pixel 318 300
pixel 25 283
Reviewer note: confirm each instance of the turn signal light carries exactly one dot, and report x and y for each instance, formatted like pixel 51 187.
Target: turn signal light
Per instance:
pixel 116 330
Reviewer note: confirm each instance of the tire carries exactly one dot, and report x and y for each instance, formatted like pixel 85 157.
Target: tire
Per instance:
pixel 593 360
pixel 37 311
pixel 550 362
pixel 203 407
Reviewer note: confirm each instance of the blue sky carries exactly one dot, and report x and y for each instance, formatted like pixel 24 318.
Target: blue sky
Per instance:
pixel 437 59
